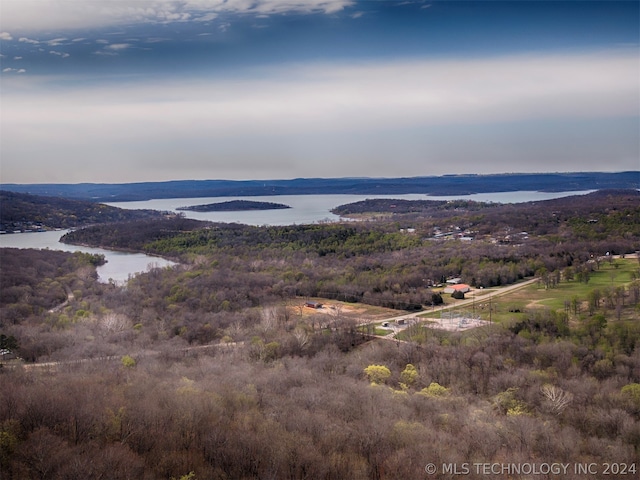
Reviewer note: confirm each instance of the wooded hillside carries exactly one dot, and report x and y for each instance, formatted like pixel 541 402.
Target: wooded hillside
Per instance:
pixel 216 369
pixel 20 211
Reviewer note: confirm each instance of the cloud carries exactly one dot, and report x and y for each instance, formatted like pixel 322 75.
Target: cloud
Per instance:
pixel 13 70
pixel 5 36
pixel 207 17
pixel 268 7
pixel 113 49
pixel 36 15
pixel 156 40
pixel 55 42
pixel 118 46
pixel 59 54
pixel 384 94
pixel 28 40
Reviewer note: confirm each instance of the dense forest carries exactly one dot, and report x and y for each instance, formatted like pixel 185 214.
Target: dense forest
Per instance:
pixel 20 212
pixel 215 369
pixel 34 281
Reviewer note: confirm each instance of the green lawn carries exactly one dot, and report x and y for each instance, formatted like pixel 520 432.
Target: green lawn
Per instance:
pixel 514 306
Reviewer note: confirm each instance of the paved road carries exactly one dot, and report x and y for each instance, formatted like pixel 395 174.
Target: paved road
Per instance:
pixel 467 301
pixel 118 358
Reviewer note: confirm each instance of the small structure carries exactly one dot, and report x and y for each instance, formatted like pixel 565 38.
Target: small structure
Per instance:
pixel 315 305
pixel 460 287
pixel 6 354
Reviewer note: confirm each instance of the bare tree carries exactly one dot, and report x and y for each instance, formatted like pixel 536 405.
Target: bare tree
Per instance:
pixel 556 398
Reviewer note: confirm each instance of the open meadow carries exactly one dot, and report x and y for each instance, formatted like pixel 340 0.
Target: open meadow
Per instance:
pixel 571 295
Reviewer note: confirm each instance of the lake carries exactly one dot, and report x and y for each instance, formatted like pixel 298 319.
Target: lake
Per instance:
pixel 315 208
pixel 304 209
pixel 119 266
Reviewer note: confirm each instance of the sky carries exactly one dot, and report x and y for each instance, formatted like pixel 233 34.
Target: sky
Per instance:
pixel 118 91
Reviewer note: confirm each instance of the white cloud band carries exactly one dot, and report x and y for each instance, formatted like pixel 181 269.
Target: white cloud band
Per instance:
pixel 346 107
pixel 404 92
pixel 36 15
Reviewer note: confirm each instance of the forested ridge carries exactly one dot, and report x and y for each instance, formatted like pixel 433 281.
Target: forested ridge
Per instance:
pixel 435 185
pixel 400 206
pixel 235 206
pixel 20 211
pixel 287 391
pixel 614 209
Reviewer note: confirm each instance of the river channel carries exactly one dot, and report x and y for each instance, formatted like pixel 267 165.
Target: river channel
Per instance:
pixel 119 267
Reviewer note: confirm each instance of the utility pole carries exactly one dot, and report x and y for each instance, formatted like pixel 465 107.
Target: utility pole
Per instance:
pixel 490 309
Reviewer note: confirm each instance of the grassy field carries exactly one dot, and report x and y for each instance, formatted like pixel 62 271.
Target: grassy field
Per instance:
pixel 514 306
pixel 504 309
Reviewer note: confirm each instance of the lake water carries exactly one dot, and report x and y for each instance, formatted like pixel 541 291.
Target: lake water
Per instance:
pixel 314 208
pixel 304 209
pixel 119 266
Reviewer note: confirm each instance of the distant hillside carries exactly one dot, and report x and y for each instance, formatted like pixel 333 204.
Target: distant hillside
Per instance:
pixel 623 197
pixel 397 206
pixel 604 215
pixel 19 212
pixel 444 185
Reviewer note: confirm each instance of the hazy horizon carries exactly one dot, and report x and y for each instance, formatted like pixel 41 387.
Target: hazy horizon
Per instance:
pixel 162 90
pixel 325 178
pixel 311 179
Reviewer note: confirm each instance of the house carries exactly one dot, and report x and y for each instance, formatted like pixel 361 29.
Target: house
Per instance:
pixel 6 354
pixel 313 304
pixel 460 287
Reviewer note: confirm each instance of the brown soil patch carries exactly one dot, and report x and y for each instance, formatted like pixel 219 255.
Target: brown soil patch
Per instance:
pixel 536 303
